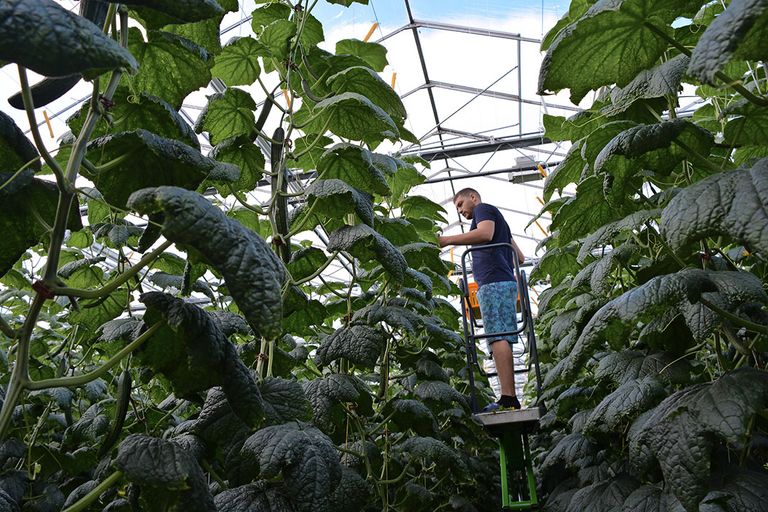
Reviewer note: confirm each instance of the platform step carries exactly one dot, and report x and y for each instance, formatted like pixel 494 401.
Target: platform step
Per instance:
pixel 510 417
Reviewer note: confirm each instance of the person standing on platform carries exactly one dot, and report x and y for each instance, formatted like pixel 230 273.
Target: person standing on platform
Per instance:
pixel 494 272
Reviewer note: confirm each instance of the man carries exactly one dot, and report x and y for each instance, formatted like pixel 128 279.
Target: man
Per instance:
pixel 494 272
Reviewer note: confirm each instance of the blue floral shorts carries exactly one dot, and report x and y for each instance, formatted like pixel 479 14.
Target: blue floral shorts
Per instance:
pixel 497 304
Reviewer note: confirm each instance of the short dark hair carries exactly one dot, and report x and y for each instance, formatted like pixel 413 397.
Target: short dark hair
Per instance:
pixel 465 192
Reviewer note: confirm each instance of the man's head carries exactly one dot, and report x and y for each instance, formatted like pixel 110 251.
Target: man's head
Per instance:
pixel 465 201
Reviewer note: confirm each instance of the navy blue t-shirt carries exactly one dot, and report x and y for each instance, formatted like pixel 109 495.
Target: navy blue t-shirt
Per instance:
pixel 497 264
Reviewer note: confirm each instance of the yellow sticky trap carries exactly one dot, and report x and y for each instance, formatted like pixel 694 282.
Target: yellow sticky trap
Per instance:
pixel 370 32
pixel 287 98
pixel 542 171
pixel 394 79
pixel 48 122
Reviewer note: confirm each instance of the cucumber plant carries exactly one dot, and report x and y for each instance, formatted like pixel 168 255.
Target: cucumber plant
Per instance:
pixel 654 328
pixel 163 349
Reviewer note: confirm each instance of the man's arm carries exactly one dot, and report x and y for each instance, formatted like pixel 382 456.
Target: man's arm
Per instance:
pixel 520 255
pixel 482 234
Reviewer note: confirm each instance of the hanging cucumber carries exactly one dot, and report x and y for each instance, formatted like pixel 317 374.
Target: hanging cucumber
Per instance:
pixel 262 119
pixel 279 188
pixel 121 410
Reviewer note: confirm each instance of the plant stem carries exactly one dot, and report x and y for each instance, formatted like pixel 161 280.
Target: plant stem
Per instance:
pixel 741 322
pixel 116 282
pixel 92 496
pixel 6 329
pixel 20 374
pixel 319 270
pixel 29 107
pixel 79 380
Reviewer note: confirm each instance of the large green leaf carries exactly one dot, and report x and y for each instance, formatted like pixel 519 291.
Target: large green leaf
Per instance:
pixel 611 43
pixel 25 216
pixel 50 40
pixel 277 36
pixel 353 165
pixel 662 81
pixel 15 151
pixel 332 199
pixel 359 344
pixel 740 32
pixel 194 354
pixel 616 318
pixel 681 431
pixel 732 204
pixel 258 496
pixel 205 33
pixel 439 392
pixel 227 115
pixel 144 159
pixel 368 83
pixel 571 451
pixel 238 62
pixel 284 401
pixel 306 458
pixel 742 490
pixel 326 393
pixel 420 207
pixel 750 127
pixel 568 171
pixel 168 474
pixel 171 67
pixel 649 498
pixel 412 414
pixel 351 116
pixel 246 155
pixel 267 14
pixel 630 399
pixel 605 234
pixel 602 496
pixel 374 54
pixel 658 147
pixel 138 111
pixel 398 231
pixel 254 275
pixel 430 451
pixel 366 244
pixel 157 13
pixel 630 365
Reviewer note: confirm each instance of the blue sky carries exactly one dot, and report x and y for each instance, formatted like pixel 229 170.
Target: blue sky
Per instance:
pixel 392 13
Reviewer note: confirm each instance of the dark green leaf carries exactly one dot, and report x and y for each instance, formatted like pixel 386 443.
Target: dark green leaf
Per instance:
pixel 661 81
pixel 334 198
pixel 252 271
pixel 238 62
pixel 630 399
pixel 149 160
pixel 412 414
pixel 266 15
pixel 325 394
pixel 738 32
pixel 749 128
pixel 284 401
pixel 246 155
pixel 205 33
pixel 440 392
pixel 366 244
pixel 374 54
pixel 20 219
pixel 731 204
pixel 416 207
pixel 428 451
pixel 568 171
pixel 681 430
pixel 353 165
pixel 649 498
pixel 165 281
pixel 605 234
pixel 15 151
pixel 603 496
pixel 163 12
pixel 304 456
pixel 352 494
pixel 591 52
pixel 165 468
pixel 171 67
pixel 368 83
pixel 255 497
pixel 628 365
pixel 742 490
pixel 359 344
pixel 398 231
pixel 351 116
pixel 139 111
pixel 277 36
pixel 305 262
pixel 227 115
pixel 50 40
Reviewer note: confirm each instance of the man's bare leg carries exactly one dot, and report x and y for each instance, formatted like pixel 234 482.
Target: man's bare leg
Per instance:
pixel 505 366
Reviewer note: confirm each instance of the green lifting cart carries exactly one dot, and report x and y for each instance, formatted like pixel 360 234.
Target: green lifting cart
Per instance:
pixel 510 427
